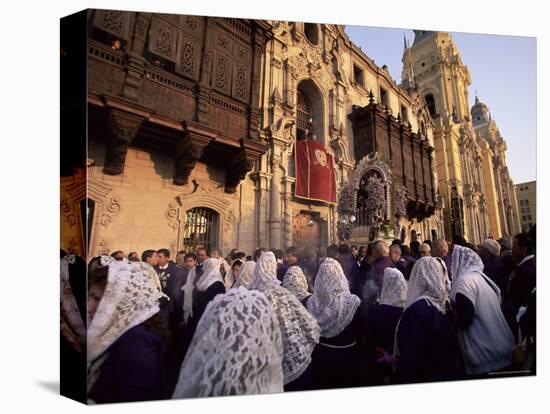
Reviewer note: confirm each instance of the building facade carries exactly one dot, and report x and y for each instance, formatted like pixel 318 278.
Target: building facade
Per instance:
pixel 470 153
pixel 526 194
pixel 192 126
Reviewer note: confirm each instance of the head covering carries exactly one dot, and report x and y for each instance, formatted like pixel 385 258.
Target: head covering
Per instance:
pixel 295 282
pixel 72 324
pixel 467 261
pixel 332 304
pixel 236 350
pixel 300 331
pixel 265 272
pixel 210 275
pixel 491 246
pixel 394 288
pixel 427 281
pixel 130 298
pixel 505 242
pixel 245 274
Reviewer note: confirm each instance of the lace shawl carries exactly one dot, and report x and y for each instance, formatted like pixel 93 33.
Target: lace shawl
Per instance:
pixel 265 272
pixel 332 304
pixel 394 288
pixel 300 331
pixel 465 261
pixel 210 275
pixel 245 274
pixel 130 298
pixel 236 350
pixel 427 281
pixel 295 281
pixel 72 325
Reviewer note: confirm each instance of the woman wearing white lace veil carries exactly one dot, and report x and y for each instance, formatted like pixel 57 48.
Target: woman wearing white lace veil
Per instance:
pixel 336 311
pixel 300 331
pixel 237 349
pixel 295 282
pixel 245 274
pixel 484 335
pixel 426 347
pixel 125 333
pixel 380 329
pixel 197 293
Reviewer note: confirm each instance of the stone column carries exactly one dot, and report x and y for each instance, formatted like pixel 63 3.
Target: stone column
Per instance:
pixel 275 206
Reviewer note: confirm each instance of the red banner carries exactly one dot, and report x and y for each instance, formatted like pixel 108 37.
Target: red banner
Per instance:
pixel 314 172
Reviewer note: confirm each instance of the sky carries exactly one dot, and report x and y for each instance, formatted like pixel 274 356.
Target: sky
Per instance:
pixel 503 71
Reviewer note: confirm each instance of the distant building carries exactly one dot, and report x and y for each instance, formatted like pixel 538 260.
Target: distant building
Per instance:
pixel 526 194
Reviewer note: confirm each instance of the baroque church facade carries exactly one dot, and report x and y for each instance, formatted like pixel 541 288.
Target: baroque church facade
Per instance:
pixel 470 152
pixel 192 123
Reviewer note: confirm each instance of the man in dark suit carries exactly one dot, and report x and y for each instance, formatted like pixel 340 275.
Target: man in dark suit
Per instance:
pixel 523 280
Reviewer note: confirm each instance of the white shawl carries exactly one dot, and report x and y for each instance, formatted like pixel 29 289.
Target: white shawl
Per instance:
pixel 300 331
pixel 295 281
pixel 245 274
pixel 130 298
pixel 394 288
pixel 427 281
pixel 210 275
pixel 72 325
pixel 236 350
pixel 332 304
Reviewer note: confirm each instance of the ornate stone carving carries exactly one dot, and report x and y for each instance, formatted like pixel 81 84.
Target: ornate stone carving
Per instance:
pixel 110 209
pixel 68 211
pixel 237 171
pixel 103 248
pixel 123 128
pixel 115 22
pixel 162 39
pixel 172 215
pixel 221 73
pixel 229 220
pixel 187 155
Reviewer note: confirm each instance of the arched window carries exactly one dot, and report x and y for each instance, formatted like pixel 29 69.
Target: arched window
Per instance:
pixel 304 116
pixel 430 103
pixel 200 229
pixel 312 33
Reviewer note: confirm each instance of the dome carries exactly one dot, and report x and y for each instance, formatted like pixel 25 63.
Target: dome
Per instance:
pixel 480 113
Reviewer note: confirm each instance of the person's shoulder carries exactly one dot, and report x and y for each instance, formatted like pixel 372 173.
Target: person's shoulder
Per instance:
pixel 138 334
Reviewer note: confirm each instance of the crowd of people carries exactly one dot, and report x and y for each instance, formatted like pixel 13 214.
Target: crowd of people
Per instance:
pixel 312 318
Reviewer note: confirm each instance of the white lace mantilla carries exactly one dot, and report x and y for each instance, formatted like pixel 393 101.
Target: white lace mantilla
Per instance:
pixel 236 350
pixel 295 281
pixel 332 304
pixel 300 331
pixel 394 288
pixel 245 274
pixel 427 281
pixel 130 298
pixel 72 325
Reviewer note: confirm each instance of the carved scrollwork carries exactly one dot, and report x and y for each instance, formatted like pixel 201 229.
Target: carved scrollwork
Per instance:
pixel 111 208
pixel 187 155
pixel 68 211
pixel 172 214
pixel 229 220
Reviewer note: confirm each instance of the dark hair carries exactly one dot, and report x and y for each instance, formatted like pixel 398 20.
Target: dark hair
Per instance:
pixel 116 252
pixel 332 251
pixel 408 269
pixel 533 235
pixel 156 324
pixel 460 240
pixel 415 244
pixel 63 253
pixel 97 272
pixel 292 250
pixel 429 243
pixel 370 249
pixel 405 251
pixel 164 252
pixel 236 262
pixel 202 248
pixel 278 253
pixel 190 255
pixel 352 246
pixel 524 240
pixel 258 252
pixel 396 241
pixel 343 249
pixel 248 258
pixel 147 254
pixel 239 255
pixel 180 252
